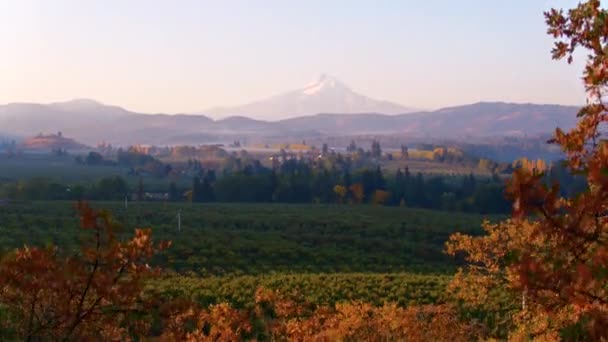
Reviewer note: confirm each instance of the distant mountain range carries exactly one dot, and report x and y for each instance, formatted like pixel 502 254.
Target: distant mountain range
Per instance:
pixel 91 122
pixel 325 95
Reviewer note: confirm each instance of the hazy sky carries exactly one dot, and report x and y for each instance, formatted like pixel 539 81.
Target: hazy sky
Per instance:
pixel 184 56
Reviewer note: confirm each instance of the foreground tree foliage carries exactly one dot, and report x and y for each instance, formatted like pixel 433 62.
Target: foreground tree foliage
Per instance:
pixel 95 294
pixel 553 253
pixel 279 318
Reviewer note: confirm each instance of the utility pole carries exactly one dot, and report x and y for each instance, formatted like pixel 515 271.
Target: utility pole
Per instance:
pixel 126 202
pixel 179 220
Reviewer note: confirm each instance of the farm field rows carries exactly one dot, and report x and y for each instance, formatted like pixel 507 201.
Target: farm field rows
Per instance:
pixel 323 254
pixel 320 289
pixel 218 239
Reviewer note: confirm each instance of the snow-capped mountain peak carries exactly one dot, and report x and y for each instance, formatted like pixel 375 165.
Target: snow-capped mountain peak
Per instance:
pixel 325 95
pixel 324 82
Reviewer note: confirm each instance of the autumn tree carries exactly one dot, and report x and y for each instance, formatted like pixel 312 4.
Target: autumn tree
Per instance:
pixel 340 191
pixel 380 197
pixel 439 153
pixel 357 192
pixel 553 253
pixel 276 317
pixel 49 294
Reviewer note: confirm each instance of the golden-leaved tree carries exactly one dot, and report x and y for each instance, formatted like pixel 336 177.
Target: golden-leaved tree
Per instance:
pixel 279 318
pixel 553 254
pixel 96 294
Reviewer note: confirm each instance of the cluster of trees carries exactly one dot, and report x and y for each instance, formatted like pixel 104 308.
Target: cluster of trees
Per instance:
pixel 185 161
pixel 244 179
pixel 94 159
pixel 174 153
pixel 375 150
pixel 182 152
pixel 137 163
pixel 298 182
pixel 506 149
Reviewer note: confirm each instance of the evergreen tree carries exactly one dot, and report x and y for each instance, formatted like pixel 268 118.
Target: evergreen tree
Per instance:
pixel 197 193
pixel 352 147
pixel 419 197
pixel 368 181
pixel 211 175
pixel 325 150
pixel 376 151
pixel 468 185
pixel 207 193
pixel 274 185
pixel 379 182
pixel 173 192
pixel 398 190
pixel 140 190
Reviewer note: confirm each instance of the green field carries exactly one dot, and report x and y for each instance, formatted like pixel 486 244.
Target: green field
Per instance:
pixel 322 289
pixel 65 170
pixel 220 239
pixel 323 254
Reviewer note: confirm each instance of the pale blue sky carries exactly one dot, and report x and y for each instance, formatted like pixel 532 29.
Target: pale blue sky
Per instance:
pixel 183 56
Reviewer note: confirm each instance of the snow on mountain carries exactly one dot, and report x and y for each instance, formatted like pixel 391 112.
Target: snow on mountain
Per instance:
pixel 324 82
pixel 325 95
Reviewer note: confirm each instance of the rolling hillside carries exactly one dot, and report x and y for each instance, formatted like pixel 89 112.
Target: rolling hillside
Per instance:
pixel 92 122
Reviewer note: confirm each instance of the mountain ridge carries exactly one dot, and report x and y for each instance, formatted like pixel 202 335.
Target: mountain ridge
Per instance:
pixel 117 125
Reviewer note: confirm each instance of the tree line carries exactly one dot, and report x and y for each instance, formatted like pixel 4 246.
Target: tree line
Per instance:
pixel 301 182
pixel 296 182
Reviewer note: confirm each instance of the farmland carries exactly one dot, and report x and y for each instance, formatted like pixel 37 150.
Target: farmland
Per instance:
pixel 321 289
pixel 65 169
pixel 217 239
pixel 223 253
pixel 58 168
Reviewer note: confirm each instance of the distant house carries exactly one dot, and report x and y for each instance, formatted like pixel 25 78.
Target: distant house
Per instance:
pixel 156 196
pixel 151 196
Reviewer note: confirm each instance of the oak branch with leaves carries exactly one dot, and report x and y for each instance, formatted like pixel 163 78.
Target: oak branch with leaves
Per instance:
pixel 554 251
pixel 95 294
